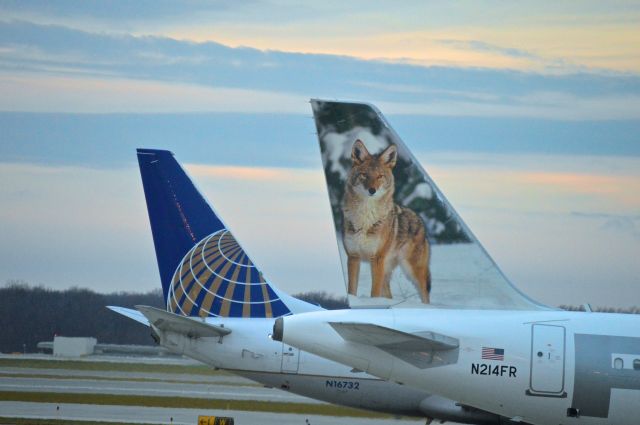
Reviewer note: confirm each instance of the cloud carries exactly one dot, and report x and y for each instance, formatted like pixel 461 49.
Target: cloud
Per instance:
pixel 84 94
pixel 117 10
pixel 540 184
pixel 256 174
pixel 489 48
pixel 564 37
pixel 518 58
pixel 624 225
pixel 558 258
pixel 289 140
pixel 621 224
pixel 599 215
pixel 120 60
pixel 550 106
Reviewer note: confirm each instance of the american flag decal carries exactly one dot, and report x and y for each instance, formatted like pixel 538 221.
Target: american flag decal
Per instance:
pixel 490 353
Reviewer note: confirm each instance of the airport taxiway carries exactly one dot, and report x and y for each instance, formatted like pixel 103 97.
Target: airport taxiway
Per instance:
pixel 15 378
pixel 161 415
pixel 212 390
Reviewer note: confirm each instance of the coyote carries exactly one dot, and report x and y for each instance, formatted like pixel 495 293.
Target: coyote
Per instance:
pixel 378 230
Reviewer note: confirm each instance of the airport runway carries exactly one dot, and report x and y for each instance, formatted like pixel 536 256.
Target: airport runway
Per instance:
pixel 159 415
pixel 221 386
pixel 156 388
pixel 223 378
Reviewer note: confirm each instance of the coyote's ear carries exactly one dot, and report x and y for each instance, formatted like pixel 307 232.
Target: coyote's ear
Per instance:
pixel 359 152
pixel 389 156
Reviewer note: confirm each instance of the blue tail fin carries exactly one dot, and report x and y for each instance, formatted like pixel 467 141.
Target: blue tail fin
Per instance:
pixel 203 269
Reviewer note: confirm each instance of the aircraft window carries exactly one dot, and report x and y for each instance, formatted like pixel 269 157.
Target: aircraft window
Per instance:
pixel 618 363
pixel 636 364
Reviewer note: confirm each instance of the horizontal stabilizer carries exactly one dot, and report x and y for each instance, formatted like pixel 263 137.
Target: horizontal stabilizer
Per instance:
pixel 422 349
pixel 131 314
pixel 368 334
pixel 192 327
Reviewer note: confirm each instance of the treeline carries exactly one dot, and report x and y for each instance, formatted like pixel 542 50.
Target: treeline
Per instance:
pixel 31 314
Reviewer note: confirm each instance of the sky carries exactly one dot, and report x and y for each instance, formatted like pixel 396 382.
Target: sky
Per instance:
pixel 526 114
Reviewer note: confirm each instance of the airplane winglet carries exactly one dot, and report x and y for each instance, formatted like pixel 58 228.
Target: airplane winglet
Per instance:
pixel 422 349
pixel 192 327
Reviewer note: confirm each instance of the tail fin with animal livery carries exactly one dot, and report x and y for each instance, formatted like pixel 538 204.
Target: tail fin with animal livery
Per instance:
pixel 400 241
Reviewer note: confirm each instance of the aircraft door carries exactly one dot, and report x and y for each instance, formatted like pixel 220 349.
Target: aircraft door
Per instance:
pixel 290 359
pixel 547 361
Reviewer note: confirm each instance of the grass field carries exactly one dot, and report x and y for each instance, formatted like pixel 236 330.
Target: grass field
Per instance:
pixel 116 379
pixel 186 402
pixel 110 366
pixel 145 400
pixel 28 421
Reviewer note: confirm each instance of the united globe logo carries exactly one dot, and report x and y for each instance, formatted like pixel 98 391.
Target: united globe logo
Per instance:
pixel 217 278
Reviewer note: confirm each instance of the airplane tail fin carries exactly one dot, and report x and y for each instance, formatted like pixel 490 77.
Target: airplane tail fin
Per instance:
pixel 390 214
pixel 203 269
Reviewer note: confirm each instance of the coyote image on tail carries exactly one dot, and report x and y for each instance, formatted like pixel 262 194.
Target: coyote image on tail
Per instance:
pixel 379 231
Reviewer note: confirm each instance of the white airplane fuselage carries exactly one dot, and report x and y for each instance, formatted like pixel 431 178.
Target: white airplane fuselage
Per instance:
pixel 249 351
pixel 538 367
